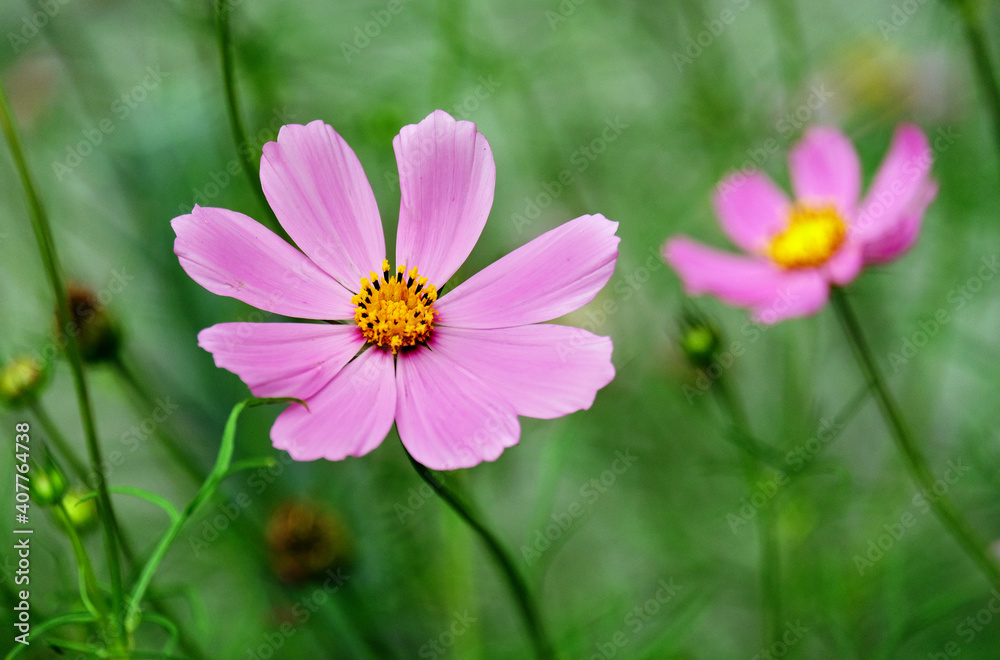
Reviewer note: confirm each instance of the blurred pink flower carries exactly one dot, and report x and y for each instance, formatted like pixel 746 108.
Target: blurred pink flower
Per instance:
pixel 797 249
pixel 453 373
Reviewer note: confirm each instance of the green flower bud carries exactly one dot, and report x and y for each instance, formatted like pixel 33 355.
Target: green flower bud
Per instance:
pixel 21 379
pixel 82 515
pixel 48 485
pixel 699 340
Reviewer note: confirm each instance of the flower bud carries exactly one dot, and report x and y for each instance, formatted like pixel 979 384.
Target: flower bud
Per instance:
pixel 21 379
pixel 48 485
pixel 82 515
pixel 699 340
pixel 306 540
pixel 95 328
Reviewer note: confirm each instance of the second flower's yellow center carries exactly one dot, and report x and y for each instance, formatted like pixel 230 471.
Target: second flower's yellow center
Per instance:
pixel 395 310
pixel 814 233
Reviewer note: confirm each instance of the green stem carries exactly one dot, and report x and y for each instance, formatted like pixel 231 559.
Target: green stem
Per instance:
pixel 46 245
pixel 219 472
pixel 519 588
pixel 90 591
pixel 770 551
pixel 42 628
pixel 983 63
pixel 914 459
pixel 80 471
pixel 250 168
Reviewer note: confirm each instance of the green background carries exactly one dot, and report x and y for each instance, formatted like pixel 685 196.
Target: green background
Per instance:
pixel 696 89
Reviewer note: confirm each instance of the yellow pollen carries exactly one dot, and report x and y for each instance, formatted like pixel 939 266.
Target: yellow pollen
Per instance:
pixel 395 309
pixel 814 233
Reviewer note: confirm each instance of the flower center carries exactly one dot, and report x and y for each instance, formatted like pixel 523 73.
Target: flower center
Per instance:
pixel 395 310
pixel 814 233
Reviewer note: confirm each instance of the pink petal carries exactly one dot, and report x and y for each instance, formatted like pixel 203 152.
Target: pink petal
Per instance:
pixel 893 244
pixel 231 255
pixel 544 371
pixel 845 264
pixel 282 359
pixel 349 417
pixel 751 209
pixel 903 174
pixel 319 191
pixel 824 167
pixel 737 280
pixel 448 418
pixel 556 273
pixel 446 179
pixel 799 293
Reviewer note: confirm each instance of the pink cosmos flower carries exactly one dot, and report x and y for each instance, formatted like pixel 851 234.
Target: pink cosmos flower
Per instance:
pixel 453 373
pixel 797 249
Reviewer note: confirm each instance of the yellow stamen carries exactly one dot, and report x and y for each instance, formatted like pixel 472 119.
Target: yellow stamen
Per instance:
pixel 813 235
pixel 395 309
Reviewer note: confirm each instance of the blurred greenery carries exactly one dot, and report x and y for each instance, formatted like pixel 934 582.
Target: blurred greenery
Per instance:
pixel 634 109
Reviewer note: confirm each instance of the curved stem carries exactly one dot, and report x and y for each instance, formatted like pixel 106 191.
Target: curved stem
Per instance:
pixel 219 472
pixel 915 461
pixel 250 168
pixel 46 245
pixel 519 588
pixel 770 551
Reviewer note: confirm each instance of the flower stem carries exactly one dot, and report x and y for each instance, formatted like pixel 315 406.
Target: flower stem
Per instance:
pixel 770 550
pixel 976 36
pixel 50 259
pixel 529 610
pixel 915 461
pixel 250 168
